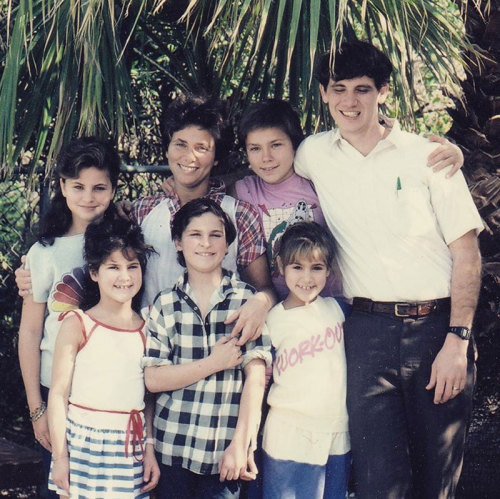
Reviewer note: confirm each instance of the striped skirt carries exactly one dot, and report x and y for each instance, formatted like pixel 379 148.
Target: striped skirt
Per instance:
pixel 98 466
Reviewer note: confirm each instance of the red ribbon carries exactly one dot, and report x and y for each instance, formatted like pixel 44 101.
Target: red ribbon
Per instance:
pixel 134 435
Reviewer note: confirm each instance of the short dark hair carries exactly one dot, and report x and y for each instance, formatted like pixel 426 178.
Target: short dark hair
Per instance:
pixel 75 156
pixel 102 238
pixel 271 113
pixel 194 209
pixel 203 111
pixel 87 152
pixel 354 60
pixel 303 239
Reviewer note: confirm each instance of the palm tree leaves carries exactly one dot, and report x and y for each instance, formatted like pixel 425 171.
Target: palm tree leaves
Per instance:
pixel 286 35
pixel 63 75
pixel 70 64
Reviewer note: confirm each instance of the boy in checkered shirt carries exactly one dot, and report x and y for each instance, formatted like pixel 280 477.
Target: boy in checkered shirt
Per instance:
pixel 210 389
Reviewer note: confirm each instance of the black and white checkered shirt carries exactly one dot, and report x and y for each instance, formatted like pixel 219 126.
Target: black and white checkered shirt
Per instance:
pixel 194 425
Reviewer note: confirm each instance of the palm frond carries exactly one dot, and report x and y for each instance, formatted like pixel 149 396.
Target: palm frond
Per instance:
pixel 414 33
pixel 64 75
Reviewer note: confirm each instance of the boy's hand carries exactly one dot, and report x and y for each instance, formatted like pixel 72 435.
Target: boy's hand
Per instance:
pixel 151 469
pixel 168 186
pixel 233 463
pixel 60 472
pixel 23 279
pixel 250 318
pixel 225 354
pixel 445 155
pixel 124 208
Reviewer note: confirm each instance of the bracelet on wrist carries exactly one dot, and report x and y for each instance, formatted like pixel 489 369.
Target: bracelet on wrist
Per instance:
pixel 63 456
pixel 37 413
pixel 150 441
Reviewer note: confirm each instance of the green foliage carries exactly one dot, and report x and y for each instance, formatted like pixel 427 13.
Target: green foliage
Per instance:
pixel 63 74
pixel 103 67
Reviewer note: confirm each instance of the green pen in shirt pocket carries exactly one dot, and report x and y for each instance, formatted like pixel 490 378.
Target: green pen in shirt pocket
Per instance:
pixel 398 186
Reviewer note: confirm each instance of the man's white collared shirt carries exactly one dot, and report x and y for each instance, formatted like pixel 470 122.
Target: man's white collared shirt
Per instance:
pixel 392 216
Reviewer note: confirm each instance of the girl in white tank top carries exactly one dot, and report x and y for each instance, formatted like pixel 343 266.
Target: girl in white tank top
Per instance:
pixel 96 401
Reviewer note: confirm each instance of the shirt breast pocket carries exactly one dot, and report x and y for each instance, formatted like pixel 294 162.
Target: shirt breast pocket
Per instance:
pixel 410 211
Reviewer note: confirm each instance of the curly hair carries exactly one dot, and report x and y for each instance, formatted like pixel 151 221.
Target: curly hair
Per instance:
pixel 102 238
pixel 206 112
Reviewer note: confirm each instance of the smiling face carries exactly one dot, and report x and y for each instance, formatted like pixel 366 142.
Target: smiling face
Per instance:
pixel 119 279
pixel 305 278
pixel 87 196
pixel 270 154
pixel 203 244
pixel 353 104
pixel 191 156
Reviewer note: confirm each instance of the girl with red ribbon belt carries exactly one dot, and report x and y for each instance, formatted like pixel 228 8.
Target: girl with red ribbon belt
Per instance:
pixel 96 402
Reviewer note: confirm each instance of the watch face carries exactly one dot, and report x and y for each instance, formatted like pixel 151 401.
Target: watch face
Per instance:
pixel 463 332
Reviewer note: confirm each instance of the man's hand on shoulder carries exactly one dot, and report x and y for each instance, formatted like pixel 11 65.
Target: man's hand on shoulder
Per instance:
pixel 447 154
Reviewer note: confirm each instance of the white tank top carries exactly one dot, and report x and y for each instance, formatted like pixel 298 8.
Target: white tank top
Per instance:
pixel 163 270
pixel 108 374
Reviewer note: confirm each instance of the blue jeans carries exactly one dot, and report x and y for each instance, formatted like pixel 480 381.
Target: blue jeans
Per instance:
pixel 291 480
pixel 404 446
pixel 179 483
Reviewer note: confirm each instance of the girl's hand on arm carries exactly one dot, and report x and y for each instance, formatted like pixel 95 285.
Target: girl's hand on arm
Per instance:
pixel 151 469
pixel 445 155
pixel 60 473
pixel 23 279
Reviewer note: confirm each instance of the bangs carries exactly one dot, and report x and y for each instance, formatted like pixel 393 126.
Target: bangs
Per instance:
pixel 304 250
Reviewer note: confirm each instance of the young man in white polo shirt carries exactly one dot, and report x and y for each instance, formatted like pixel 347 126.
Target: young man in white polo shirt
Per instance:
pixel 407 241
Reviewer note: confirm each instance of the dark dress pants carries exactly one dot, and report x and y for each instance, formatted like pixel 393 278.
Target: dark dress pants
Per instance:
pixel 404 446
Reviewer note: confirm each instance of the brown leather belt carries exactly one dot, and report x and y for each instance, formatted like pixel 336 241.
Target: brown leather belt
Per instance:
pixel 402 309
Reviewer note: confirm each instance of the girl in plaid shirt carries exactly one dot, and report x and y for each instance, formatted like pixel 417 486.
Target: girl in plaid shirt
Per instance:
pixel 210 390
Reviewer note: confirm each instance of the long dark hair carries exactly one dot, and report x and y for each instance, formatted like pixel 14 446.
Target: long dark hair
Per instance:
pixel 85 152
pixel 102 237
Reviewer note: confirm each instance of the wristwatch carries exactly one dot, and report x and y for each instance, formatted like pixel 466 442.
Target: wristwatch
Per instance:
pixel 462 332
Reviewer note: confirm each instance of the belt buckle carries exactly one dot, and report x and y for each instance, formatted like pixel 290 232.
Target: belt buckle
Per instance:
pixel 397 312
